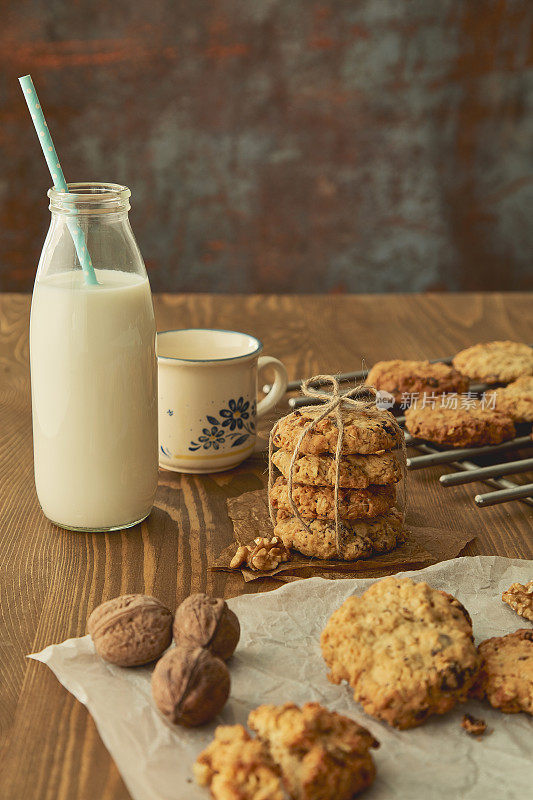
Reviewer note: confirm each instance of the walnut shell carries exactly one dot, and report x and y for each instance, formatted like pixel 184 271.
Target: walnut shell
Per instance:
pixel 130 630
pixel 190 686
pixel 204 621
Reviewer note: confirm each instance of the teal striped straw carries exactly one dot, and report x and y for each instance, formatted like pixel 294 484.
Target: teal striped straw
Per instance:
pixel 56 172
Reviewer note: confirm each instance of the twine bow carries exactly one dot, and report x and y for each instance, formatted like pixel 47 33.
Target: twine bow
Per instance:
pixel 360 398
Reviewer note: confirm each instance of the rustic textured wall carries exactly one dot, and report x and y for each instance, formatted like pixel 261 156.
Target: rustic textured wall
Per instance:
pixel 282 145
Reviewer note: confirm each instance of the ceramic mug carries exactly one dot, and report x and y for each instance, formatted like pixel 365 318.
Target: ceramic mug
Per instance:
pixel 208 397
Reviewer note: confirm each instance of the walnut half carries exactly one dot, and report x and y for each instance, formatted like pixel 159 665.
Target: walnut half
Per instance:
pixel 263 555
pixel 520 597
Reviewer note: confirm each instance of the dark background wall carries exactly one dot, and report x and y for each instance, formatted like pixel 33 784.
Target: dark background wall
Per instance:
pixel 282 145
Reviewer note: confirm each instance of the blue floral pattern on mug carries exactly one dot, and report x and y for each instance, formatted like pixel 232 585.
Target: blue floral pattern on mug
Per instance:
pixel 236 414
pixel 235 426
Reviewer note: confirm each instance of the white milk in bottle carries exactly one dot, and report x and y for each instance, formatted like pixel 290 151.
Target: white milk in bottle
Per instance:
pixel 93 371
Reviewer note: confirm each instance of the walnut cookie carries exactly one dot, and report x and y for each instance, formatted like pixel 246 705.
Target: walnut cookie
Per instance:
pixel 506 674
pixel 355 471
pixel 319 501
pixel 321 754
pixel 399 377
pixel 515 399
pixel 365 431
pixel 459 427
pixel 360 538
pixel 495 362
pixel 407 650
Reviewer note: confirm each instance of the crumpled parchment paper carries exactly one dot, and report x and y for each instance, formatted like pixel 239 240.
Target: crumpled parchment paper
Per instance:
pixel 279 659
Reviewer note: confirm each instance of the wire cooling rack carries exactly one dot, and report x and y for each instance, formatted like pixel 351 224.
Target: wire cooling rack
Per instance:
pixel 468 471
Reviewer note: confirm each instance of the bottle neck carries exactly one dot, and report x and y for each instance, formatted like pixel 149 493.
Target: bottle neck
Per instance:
pixel 95 214
pixel 93 200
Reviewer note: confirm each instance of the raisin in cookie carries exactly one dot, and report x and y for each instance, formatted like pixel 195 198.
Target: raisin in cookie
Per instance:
pixel 321 754
pixel 365 431
pixel 355 471
pixel 360 539
pixel 495 362
pixel 520 597
pixel 319 501
pixel 506 674
pixel 459 427
pixel 400 377
pixel 236 766
pixel 516 399
pixel 406 650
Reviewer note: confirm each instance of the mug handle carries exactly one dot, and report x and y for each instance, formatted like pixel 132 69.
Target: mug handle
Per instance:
pixel 279 387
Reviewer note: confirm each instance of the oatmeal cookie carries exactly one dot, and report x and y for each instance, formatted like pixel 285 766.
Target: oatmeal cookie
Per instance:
pixel 364 432
pixel 361 538
pixel 321 754
pixel 520 597
pixel 236 766
pixel 406 650
pixel 319 501
pixel 495 362
pixel 355 471
pixel 399 377
pixel 506 675
pixel 459 427
pixel 516 399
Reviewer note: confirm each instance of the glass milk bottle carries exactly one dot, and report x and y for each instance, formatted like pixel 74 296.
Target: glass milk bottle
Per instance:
pixel 93 367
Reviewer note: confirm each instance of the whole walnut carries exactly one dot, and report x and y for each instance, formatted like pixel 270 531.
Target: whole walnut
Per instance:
pixel 190 686
pixel 130 630
pixel 204 621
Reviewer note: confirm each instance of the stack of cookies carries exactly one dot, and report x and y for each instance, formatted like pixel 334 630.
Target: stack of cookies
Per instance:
pixel 369 470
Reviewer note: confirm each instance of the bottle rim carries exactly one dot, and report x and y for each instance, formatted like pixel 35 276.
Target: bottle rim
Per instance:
pixel 90 197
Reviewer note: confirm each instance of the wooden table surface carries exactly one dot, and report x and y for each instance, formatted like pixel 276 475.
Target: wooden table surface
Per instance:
pixel 51 579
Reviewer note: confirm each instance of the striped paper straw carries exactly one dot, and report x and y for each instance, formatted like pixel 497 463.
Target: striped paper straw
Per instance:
pixel 56 172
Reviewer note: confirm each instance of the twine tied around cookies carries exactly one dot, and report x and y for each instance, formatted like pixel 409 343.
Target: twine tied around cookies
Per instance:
pixel 360 398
